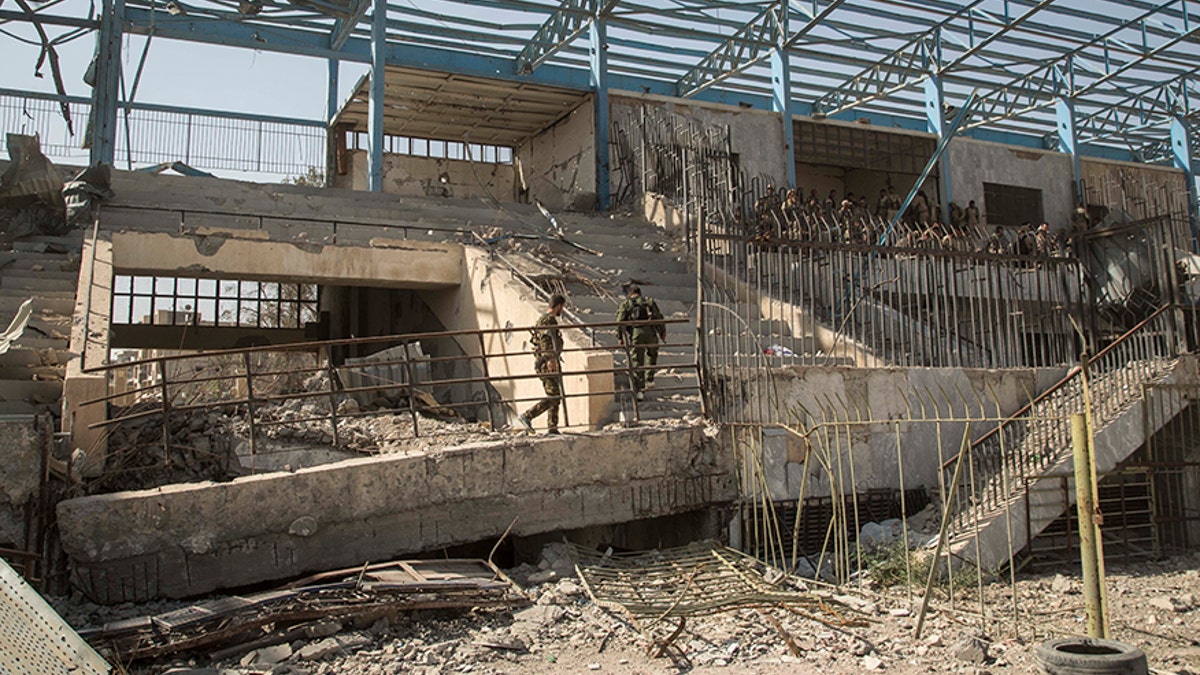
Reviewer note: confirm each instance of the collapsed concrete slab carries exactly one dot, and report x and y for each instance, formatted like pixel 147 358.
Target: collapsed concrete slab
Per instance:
pixel 184 540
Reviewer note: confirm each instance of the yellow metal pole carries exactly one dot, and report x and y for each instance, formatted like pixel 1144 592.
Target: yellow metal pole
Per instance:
pixel 1084 503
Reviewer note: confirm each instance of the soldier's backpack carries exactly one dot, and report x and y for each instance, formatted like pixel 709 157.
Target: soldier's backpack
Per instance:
pixel 641 310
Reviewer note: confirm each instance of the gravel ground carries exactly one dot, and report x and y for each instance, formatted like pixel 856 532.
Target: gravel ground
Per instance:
pixel 1153 605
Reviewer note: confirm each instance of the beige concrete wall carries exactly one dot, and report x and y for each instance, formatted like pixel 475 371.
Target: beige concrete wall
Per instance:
pixel 1140 189
pixel 490 297
pixel 433 177
pixel 755 135
pixel 887 394
pixel 558 166
pixel 185 540
pixel 250 255
pixel 974 163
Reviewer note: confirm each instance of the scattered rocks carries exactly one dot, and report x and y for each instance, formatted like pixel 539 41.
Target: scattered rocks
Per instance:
pixel 971 648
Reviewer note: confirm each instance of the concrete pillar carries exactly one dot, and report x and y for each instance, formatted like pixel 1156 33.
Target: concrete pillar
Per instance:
pixel 1181 154
pixel 90 340
pixel 598 53
pixel 378 77
pixel 1068 142
pixel 107 85
pixel 935 116
pixel 781 97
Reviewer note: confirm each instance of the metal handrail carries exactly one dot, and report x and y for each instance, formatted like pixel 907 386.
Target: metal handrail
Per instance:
pixel 1115 376
pixel 225 389
pixel 1073 373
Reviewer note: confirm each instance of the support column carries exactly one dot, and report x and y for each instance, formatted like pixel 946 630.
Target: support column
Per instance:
pixel 378 78
pixel 1068 142
pixel 781 95
pixel 1181 154
pixel 107 86
pixel 935 116
pixel 332 137
pixel 598 53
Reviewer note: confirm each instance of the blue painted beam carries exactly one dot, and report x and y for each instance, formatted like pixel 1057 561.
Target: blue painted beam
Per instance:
pixel 1068 142
pixel 935 117
pixel 781 102
pixel 343 27
pixel 358 50
pixel 1181 154
pixel 599 75
pixel 48 19
pixel 106 88
pixel 567 22
pixel 378 79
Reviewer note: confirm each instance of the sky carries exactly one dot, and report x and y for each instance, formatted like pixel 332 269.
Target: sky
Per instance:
pixel 176 73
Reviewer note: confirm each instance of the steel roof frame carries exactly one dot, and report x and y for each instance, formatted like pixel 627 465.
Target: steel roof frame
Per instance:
pixel 1118 61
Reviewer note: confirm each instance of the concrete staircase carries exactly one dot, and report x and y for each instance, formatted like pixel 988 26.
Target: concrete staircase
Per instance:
pixel 47 270
pixel 1017 489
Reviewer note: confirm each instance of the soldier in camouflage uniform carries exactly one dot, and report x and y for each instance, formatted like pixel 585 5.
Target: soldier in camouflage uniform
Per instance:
pixel 644 338
pixel 547 349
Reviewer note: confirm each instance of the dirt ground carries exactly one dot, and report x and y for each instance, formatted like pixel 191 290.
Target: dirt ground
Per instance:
pixel 1153 605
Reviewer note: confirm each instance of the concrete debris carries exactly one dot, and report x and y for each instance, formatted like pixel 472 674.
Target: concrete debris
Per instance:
pixel 971 648
pixel 570 637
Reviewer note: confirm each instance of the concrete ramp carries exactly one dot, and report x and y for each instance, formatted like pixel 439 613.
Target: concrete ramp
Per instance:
pixel 186 540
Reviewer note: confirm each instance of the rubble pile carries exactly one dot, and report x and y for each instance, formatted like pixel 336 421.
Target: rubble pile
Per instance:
pixel 1152 605
pixel 214 444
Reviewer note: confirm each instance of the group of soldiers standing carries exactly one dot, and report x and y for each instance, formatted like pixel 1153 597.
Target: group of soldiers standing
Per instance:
pixel 640 332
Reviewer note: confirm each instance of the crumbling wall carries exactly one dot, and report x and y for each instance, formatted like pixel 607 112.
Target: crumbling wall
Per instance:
pixel 490 297
pixel 886 394
pixel 433 177
pixel 1129 185
pixel 973 163
pixel 184 540
pixel 558 165
pixel 756 136
pixel 20 476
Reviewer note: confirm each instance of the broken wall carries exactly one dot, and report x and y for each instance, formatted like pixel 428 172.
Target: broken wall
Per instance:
pixel 886 394
pixel 973 163
pixel 491 297
pixel 1132 186
pixel 20 476
pixel 411 176
pixel 185 540
pixel 756 136
pixel 557 166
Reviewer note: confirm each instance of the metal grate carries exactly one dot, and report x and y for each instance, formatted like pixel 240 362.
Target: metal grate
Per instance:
pixel 34 639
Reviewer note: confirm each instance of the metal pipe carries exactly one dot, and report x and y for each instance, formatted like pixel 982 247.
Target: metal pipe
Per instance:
pixel 1088 530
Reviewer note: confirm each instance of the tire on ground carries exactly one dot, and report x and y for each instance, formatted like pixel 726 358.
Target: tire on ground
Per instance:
pixel 1090 656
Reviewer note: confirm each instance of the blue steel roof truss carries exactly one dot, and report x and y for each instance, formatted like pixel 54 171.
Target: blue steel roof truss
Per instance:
pixel 1127 65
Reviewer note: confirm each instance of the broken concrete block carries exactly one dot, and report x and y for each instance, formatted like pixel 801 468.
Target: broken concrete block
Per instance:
pixel 316 651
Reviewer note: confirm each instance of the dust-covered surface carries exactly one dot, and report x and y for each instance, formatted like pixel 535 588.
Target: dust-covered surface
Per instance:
pixel 1153 605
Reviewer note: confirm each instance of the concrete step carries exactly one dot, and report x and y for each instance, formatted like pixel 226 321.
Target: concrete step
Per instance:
pixel 35 282
pixel 603 307
pixel 33 372
pixel 33 392
pixel 20 355
pixel 62 304
pixel 13 261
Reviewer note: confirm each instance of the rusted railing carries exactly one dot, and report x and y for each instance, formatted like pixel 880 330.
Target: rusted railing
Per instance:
pixel 1038 436
pixel 469 368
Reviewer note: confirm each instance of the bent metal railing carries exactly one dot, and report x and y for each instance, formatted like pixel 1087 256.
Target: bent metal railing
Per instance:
pixel 255 384
pixel 1037 436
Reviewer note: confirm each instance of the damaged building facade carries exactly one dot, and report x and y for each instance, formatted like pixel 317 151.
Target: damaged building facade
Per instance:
pixel 889 275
